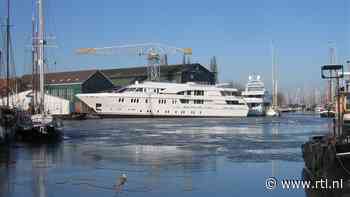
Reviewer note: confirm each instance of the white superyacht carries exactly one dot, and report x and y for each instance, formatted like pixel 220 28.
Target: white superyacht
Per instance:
pixel 256 96
pixel 163 99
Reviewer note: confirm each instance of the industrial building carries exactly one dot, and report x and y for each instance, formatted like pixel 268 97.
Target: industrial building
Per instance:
pixel 67 84
pixel 178 73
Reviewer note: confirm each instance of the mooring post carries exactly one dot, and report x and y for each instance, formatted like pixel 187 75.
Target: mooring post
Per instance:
pixel 334 128
pixel 338 106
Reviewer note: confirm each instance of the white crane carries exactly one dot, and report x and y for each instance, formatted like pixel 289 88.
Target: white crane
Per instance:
pixel 152 51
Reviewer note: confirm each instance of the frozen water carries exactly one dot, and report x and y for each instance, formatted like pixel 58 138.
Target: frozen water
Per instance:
pixel 162 157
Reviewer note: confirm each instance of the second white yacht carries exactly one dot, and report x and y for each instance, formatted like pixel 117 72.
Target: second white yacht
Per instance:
pixel 256 96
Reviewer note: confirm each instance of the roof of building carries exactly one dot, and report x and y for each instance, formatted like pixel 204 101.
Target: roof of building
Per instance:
pixel 121 74
pixel 64 77
pixel 3 86
pixel 142 71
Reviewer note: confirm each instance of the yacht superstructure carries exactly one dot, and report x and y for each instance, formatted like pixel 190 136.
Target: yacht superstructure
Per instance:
pixel 256 96
pixel 162 99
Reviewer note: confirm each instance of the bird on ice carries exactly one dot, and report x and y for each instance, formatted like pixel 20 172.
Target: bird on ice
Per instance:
pixel 121 181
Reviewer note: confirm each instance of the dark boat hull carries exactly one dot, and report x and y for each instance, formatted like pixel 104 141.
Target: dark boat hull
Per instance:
pixel 8 121
pixel 39 134
pixel 327 114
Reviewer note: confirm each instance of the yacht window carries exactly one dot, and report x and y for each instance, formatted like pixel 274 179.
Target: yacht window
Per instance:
pixel 198 101
pixel 146 101
pixel 184 101
pixel 98 106
pixel 232 102
pixel 198 92
pixel 139 90
pixel 254 96
pixel 121 90
pixel 188 92
pixel 229 93
pixel 181 93
pixel 254 89
pixel 130 89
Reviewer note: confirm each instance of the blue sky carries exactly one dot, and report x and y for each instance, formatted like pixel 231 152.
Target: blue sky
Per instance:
pixel 238 33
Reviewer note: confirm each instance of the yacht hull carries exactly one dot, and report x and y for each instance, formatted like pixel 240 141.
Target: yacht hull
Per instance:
pixel 155 110
pixel 167 100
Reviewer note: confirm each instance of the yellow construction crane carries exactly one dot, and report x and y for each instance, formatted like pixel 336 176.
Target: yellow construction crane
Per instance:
pixel 152 51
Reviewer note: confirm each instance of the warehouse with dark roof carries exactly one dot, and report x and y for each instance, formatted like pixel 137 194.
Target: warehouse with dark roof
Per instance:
pixel 68 84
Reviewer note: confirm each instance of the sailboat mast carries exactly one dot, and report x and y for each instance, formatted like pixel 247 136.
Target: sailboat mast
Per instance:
pixel 273 75
pixel 41 42
pixel 8 55
pixel 34 64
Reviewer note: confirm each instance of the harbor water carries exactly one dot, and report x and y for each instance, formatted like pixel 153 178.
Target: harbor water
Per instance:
pixel 164 157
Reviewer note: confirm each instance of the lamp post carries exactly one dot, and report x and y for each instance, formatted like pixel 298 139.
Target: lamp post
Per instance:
pixel 334 72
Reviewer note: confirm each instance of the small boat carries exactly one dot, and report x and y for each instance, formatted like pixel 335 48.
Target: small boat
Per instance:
pixel 318 109
pixel 272 112
pixel 327 114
